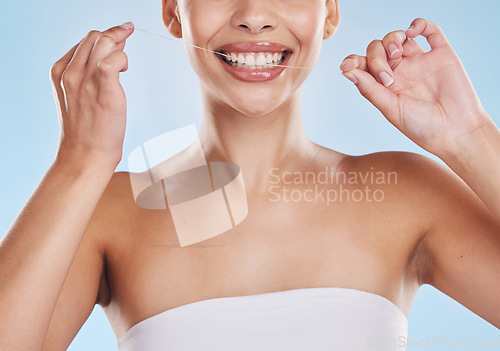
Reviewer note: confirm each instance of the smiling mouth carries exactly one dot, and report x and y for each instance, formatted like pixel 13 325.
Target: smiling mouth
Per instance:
pixel 253 60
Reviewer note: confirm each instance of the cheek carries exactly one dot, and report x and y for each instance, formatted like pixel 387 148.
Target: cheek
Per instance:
pixel 200 23
pixel 201 20
pixel 307 26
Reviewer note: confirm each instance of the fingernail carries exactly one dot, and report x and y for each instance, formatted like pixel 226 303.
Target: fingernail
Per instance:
pixel 411 27
pixel 127 25
pixel 386 78
pixel 393 49
pixel 351 77
pixel 347 65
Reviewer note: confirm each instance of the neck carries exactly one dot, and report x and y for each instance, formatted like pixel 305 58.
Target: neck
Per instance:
pixel 256 144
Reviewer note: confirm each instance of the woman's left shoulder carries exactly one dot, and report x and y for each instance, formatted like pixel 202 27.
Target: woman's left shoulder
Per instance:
pixel 409 172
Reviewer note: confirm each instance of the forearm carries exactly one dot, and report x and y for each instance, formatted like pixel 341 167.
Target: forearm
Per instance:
pixel 37 251
pixel 476 159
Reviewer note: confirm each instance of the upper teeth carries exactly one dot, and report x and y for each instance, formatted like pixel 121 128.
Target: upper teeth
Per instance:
pixel 254 60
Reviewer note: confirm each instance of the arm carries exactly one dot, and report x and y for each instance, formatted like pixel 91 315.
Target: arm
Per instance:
pixel 36 253
pixel 460 249
pixel 86 283
pixel 429 98
pixel 475 157
pixel 38 250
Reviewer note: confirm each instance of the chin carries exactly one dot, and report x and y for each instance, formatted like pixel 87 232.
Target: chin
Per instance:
pixel 255 104
pixel 252 100
pixel 256 108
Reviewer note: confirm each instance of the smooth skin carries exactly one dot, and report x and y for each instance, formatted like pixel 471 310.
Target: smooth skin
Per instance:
pixel 81 240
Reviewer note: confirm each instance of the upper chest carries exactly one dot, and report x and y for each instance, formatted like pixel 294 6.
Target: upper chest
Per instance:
pixel 279 246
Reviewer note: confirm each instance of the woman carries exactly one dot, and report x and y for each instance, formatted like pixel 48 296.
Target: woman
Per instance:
pixel 430 226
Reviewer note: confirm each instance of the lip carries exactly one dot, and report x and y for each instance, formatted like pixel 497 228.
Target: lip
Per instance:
pixel 254 75
pixel 247 46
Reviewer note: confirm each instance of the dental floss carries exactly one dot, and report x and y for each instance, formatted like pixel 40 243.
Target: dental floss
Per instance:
pixel 200 48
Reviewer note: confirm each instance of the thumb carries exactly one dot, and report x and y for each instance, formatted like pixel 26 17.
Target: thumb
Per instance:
pixel 120 33
pixel 380 96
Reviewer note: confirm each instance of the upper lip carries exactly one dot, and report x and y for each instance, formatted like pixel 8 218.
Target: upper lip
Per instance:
pixel 259 46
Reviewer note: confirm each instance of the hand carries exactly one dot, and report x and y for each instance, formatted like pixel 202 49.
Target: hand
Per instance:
pixel 426 95
pixel 91 102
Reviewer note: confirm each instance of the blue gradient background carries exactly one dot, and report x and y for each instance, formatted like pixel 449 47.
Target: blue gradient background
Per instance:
pixel 163 94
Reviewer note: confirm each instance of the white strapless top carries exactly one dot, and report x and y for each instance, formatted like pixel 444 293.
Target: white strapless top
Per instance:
pixel 318 319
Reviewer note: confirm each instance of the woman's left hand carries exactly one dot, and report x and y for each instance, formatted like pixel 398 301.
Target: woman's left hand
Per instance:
pixel 426 95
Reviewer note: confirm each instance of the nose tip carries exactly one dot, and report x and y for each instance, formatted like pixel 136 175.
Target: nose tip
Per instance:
pixel 255 16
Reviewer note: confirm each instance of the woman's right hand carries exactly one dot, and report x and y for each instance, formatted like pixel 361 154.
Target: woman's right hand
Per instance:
pixel 91 102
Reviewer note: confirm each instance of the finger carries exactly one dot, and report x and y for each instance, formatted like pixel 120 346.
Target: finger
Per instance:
pixel 353 62
pixel 58 67
pixel 103 47
pixel 118 33
pixel 378 65
pixel 121 45
pixel 431 31
pixel 381 97
pixel 73 62
pixel 56 73
pixel 412 48
pixel 75 70
pixel 108 70
pixel 72 76
pixel 393 44
pixel 82 53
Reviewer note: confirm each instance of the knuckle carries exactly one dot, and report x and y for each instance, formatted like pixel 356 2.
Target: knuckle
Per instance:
pixel 67 79
pixel 388 36
pixel 397 35
pixel 105 66
pixel 106 40
pixel 432 27
pixel 377 62
pixel 123 56
pixel 374 43
pixel 55 71
pixel 94 34
pixel 124 62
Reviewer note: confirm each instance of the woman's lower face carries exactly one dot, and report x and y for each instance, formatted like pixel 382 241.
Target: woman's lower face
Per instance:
pixel 252 44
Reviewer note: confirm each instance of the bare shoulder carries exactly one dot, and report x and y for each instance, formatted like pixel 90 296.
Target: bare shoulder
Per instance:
pixel 408 173
pixel 419 195
pixel 417 185
pixel 457 251
pixel 448 210
pixel 407 179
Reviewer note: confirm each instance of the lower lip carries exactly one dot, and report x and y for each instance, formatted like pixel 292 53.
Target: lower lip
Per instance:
pixel 255 75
